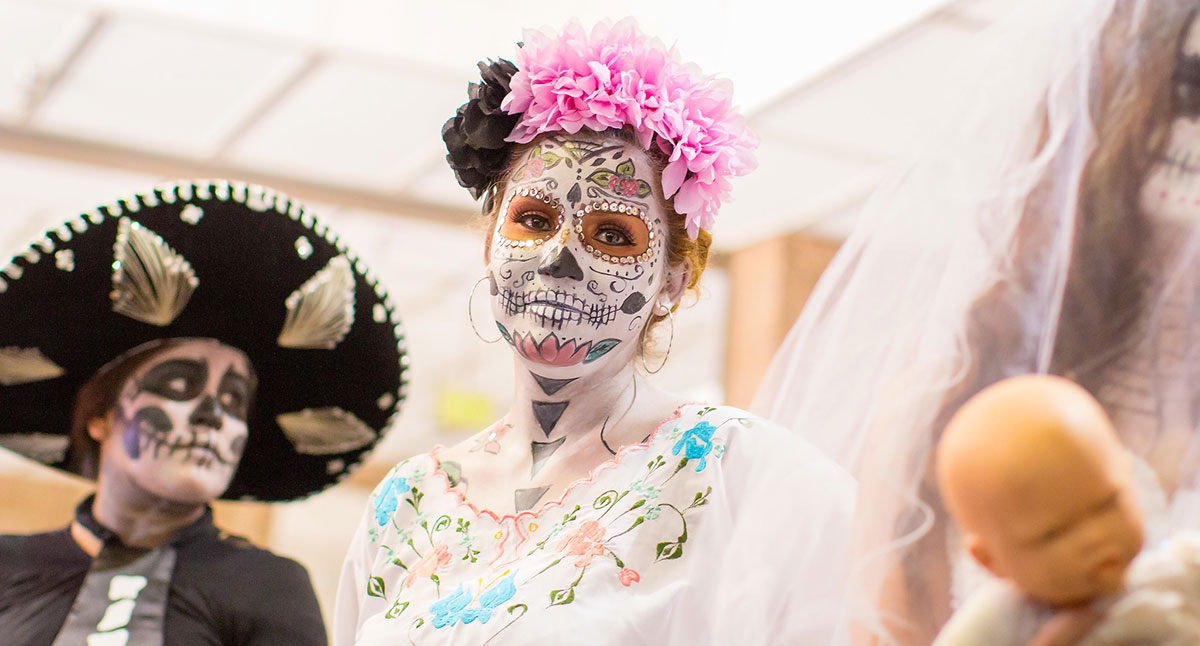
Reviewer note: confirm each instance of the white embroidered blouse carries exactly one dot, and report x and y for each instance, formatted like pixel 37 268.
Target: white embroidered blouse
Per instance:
pixel 720 528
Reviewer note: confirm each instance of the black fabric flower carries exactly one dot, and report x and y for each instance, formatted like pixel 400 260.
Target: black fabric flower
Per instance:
pixel 474 136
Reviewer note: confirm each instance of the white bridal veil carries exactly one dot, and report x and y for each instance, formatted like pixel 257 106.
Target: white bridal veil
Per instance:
pixel 1053 228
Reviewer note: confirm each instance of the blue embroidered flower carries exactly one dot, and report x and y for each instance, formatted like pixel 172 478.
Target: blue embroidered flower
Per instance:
pixel 501 591
pixel 386 499
pixel 447 611
pixel 454 608
pixel 696 443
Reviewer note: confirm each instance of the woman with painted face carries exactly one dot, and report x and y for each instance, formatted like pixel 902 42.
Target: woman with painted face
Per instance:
pixel 599 509
pixel 215 342
pixel 1057 231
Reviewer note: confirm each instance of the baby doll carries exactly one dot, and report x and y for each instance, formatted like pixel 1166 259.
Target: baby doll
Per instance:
pixel 1033 473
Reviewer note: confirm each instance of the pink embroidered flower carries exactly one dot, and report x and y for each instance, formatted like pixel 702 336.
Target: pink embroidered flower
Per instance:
pixel 585 541
pixel 617 76
pixel 628 576
pixel 428 564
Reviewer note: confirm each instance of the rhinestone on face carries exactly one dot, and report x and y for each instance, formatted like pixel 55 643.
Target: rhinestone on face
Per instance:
pixel 379 313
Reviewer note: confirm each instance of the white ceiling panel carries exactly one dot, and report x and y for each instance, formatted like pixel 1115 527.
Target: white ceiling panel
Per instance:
pixel 34 39
pixel 38 194
pixel 164 86
pixel 438 185
pixel 882 104
pixel 792 186
pixel 354 123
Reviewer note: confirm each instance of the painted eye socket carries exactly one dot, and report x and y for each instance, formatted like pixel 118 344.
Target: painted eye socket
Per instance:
pixel 615 234
pixel 529 219
pixel 234 394
pixel 175 379
pixel 1187 98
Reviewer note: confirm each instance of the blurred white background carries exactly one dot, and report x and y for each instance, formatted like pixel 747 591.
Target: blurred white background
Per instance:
pixel 340 103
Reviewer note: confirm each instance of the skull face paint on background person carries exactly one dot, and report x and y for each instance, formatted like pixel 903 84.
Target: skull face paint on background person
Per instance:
pixel 1171 192
pixel 576 261
pixel 178 427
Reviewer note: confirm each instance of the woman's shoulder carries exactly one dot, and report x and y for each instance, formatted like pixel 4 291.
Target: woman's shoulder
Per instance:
pixel 751 438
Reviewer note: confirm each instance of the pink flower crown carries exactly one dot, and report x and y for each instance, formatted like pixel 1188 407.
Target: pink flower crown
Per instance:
pixel 617 76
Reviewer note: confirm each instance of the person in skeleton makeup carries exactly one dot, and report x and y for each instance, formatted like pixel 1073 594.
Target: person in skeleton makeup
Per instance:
pixel 599 508
pixel 151 314
pixel 1057 230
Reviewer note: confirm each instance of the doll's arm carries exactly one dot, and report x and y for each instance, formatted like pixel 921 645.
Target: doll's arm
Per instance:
pixel 996 615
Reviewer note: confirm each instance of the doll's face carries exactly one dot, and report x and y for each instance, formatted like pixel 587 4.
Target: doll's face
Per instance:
pixel 179 425
pixel 1171 192
pixel 1068 534
pixel 576 261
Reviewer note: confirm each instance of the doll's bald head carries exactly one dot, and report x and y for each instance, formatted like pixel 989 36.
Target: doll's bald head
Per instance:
pixel 1033 472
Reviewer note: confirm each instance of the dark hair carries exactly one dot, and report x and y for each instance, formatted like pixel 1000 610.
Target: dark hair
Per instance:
pixel 98 396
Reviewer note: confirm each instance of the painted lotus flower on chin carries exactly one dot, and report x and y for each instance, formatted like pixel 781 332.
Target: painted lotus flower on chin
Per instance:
pixel 553 351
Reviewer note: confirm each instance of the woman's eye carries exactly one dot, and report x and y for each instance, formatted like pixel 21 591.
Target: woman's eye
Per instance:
pixel 534 221
pixel 613 237
pixel 232 402
pixel 1187 99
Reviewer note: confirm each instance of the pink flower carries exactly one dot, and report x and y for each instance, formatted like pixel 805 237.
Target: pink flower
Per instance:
pixel 551 351
pixel 428 564
pixel 628 576
pixel 617 76
pixel 534 168
pixel 585 541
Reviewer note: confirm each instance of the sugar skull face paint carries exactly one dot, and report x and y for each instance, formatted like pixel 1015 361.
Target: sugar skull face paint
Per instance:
pixel 179 425
pixel 1171 193
pixel 577 255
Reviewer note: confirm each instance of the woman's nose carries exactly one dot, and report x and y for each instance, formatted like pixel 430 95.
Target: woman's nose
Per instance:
pixel 561 264
pixel 207 413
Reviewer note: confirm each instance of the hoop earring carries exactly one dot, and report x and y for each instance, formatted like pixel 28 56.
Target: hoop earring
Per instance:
pixel 471 315
pixel 670 342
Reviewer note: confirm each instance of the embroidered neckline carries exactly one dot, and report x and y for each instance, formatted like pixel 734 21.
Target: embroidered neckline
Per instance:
pixel 609 463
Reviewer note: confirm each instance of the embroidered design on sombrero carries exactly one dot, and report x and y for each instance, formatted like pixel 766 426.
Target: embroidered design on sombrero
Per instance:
pixel 26 365
pixel 42 447
pixel 321 311
pixel 323 431
pixel 151 282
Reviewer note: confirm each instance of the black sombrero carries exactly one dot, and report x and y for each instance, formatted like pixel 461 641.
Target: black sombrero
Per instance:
pixel 241 264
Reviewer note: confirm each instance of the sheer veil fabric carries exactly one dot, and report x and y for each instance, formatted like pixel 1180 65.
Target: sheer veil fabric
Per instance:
pixel 1052 228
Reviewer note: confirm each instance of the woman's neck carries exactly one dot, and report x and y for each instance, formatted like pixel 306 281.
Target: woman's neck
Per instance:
pixel 572 424
pixel 139 517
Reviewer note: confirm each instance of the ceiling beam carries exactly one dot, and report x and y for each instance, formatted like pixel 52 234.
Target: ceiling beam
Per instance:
pixel 49 74
pixel 170 167
pixel 258 113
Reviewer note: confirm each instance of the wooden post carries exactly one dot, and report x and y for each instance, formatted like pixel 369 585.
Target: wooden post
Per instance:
pixel 769 283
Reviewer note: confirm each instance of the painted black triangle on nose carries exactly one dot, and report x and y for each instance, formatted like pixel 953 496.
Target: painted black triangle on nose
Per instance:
pixel 563 265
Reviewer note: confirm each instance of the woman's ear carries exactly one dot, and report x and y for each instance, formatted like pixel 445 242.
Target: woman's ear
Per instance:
pixel 677 279
pixel 487 245
pixel 98 428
